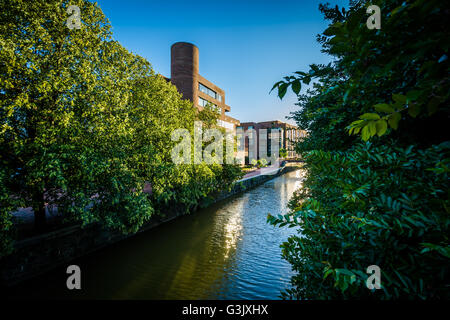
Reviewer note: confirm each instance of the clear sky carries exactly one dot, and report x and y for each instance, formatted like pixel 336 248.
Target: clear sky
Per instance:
pixel 245 46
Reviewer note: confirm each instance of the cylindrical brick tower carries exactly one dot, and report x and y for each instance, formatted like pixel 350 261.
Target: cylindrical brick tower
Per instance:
pixel 184 69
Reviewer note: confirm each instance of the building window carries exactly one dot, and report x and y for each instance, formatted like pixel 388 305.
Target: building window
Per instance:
pixel 225 124
pixel 202 103
pixel 209 92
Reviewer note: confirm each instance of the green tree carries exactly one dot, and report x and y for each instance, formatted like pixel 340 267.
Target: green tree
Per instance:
pixel 65 122
pixel 51 79
pixel 86 125
pixel 386 201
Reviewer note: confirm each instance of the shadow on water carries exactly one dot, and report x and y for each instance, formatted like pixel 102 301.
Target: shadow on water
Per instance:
pixel 225 251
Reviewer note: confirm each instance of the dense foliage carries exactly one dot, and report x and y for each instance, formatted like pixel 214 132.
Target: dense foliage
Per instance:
pixel 383 202
pixel 86 125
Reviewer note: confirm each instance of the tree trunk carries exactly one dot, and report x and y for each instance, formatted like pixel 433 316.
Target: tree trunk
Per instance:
pixel 40 219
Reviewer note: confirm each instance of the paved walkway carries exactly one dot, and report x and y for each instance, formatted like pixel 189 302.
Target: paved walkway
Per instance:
pixel 261 171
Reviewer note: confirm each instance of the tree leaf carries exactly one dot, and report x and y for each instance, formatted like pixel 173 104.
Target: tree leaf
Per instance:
pixel 414 109
pixel 381 126
pixel 296 86
pixel 394 119
pixel 369 116
pixel 384 107
pixel 365 134
pixel 276 85
pixel 399 98
pixel 282 89
pixel 372 128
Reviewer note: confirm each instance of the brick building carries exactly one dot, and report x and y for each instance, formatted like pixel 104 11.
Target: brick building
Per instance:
pixel 185 76
pixel 288 136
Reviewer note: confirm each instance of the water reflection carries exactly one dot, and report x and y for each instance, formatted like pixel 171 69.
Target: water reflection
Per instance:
pixel 226 251
pixel 233 229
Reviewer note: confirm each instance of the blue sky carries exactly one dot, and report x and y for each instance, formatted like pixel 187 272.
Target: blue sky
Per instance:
pixel 245 46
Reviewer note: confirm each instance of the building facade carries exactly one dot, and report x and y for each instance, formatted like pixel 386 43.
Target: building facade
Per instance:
pixel 185 76
pixel 288 135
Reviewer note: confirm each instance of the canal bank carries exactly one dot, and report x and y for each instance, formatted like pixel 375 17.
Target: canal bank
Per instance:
pixel 41 254
pixel 224 251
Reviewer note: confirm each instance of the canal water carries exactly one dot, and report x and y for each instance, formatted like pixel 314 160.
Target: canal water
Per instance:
pixel 226 251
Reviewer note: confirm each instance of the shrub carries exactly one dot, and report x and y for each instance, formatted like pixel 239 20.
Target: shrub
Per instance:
pixel 383 202
pixel 384 206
